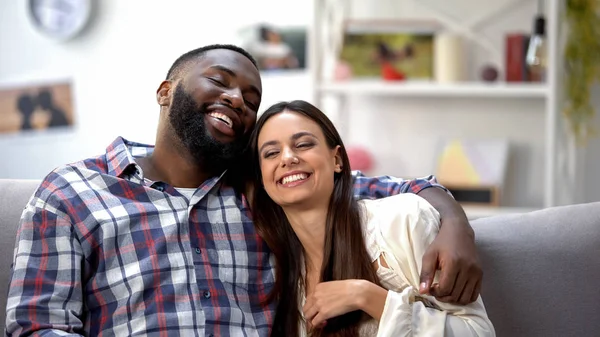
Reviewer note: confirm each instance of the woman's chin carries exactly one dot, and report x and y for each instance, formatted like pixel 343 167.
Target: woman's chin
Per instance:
pixel 295 201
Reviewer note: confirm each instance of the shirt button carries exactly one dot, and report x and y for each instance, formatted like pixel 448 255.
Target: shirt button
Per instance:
pixel 207 294
pixel 198 251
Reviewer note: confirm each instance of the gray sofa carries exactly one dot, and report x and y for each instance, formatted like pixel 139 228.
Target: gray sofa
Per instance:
pixel 541 269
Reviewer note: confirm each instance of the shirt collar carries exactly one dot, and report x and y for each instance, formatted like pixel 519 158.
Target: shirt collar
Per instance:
pixel 120 154
pixel 120 157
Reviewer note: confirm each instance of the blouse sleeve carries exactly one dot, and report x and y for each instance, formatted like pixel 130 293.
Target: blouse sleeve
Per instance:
pixel 407 225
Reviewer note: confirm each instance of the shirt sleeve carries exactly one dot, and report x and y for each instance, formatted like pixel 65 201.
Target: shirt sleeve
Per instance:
pixel 407 226
pixel 384 186
pixel 45 290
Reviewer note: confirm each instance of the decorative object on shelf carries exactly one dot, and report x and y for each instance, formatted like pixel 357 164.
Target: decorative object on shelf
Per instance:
pixel 60 20
pixel 360 158
pixel 536 51
pixel 392 50
pixel 275 48
pixel 35 107
pixel 582 70
pixel 489 73
pixel 342 71
pixel 516 69
pixel 474 168
pixel 449 58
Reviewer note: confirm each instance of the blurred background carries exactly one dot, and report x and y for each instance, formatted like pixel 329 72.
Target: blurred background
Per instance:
pixel 491 96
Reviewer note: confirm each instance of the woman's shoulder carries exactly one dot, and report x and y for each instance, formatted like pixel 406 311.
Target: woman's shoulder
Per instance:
pixel 406 211
pixel 404 203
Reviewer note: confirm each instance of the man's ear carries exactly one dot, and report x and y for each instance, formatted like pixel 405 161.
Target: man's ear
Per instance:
pixel 163 94
pixel 338 165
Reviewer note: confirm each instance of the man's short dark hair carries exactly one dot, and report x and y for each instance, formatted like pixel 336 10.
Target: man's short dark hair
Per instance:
pixel 184 59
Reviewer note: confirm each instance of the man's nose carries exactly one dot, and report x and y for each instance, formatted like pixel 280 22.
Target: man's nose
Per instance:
pixel 233 98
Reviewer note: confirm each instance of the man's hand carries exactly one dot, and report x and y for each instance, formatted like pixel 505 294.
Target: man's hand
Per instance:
pixel 460 277
pixel 453 252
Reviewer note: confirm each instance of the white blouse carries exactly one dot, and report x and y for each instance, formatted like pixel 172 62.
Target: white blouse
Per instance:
pixel 399 229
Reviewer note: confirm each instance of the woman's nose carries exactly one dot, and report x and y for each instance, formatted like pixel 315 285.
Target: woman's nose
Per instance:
pixel 288 158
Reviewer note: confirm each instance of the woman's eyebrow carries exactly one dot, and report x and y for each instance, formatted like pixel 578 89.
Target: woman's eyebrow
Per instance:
pixel 295 136
pixel 271 142
pixel 302 134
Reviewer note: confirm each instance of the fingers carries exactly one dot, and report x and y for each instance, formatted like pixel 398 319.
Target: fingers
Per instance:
pixel 319 321
pixel 476 291
pixel 428 269
pixel 467 294
pixel 313 317
pixel 460 286
pixel 309 311
pixel 448 278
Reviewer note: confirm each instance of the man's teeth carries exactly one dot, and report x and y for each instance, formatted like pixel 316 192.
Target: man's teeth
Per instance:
pixel 294 177
pixel 222 117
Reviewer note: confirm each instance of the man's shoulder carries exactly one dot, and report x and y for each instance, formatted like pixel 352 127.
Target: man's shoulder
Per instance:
pixel 68 171
pixel 62 178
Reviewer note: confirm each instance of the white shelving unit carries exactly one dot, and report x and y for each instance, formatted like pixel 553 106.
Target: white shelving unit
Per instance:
pixel 328 15
pixel 432 89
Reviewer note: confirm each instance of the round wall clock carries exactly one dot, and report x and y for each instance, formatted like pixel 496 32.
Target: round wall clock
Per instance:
pixel 60 19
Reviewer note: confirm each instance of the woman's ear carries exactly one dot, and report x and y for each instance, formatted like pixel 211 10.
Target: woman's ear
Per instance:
pixel 163 94
pixel 338 165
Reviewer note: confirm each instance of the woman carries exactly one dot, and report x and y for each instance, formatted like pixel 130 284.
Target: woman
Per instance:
pixel 358 262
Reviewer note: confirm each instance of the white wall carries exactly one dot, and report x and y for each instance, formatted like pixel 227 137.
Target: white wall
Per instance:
pixel 118 63
pixel 116 66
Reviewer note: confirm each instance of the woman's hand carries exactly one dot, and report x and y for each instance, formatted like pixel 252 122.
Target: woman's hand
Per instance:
pixel 335 298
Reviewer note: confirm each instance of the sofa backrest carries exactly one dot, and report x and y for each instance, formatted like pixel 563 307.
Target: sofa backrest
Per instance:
pixel 542 271
pixel 14 195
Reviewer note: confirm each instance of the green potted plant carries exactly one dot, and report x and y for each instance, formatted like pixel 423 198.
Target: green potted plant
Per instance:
pixel 582 65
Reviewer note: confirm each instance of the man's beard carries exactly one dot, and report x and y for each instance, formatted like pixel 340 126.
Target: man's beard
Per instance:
pixel 187 120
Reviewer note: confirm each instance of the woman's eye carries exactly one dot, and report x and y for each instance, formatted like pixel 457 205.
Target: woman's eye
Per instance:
pixel 270 154
pixel 304 145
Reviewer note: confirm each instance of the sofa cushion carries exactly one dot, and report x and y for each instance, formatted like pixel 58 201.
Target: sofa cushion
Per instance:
pixel 541 271
pixel 14 195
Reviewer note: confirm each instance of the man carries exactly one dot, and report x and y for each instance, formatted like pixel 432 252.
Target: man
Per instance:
pixel 151 240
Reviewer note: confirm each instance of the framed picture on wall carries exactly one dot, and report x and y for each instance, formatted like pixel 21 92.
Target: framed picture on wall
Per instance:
pixel 36 107
pixel 392 49
pixel 275 48
pixel 474 170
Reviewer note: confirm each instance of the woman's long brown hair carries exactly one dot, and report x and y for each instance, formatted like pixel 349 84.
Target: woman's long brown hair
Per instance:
pixel 344 254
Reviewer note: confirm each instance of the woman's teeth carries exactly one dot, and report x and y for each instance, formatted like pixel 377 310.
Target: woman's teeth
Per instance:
pixel 293 178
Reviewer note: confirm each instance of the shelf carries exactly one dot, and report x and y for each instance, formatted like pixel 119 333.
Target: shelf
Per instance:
pixel 476 212
pixel 429 89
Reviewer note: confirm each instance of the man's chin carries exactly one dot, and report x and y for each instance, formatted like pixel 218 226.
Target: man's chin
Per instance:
pixel 223 140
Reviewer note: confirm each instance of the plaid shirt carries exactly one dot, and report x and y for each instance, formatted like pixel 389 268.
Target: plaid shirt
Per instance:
pixel 102 251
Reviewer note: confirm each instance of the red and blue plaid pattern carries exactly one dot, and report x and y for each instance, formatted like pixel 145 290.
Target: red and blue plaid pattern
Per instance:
pixel 102 251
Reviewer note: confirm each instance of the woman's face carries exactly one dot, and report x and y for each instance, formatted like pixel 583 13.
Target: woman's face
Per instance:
pixel 297 165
